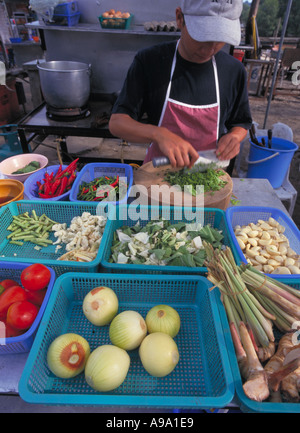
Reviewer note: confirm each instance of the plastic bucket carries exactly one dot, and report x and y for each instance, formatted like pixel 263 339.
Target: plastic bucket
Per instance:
pixel 271 164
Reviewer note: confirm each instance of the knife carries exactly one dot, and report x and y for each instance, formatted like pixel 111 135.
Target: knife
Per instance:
pixel 207 159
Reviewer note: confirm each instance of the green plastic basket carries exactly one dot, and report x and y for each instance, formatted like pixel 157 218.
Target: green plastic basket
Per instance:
pixel 201 379
pixel 61 212
pixel 245 403
pixel 126 215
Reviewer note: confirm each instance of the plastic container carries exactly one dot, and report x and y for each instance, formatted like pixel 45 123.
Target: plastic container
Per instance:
pixel 238 54
pixel 14 163
pixel 31 188
pixel 63 20
pixel 94 170
pixel 68 8
pixel 271 164
pixel 61 212
pixel 115 23
pixel 202 377
pixel 12 145
pixel 125 216
pixel 16 40
pixel 23 342
pixel 243 215
pixel 245 403
pixel 10 190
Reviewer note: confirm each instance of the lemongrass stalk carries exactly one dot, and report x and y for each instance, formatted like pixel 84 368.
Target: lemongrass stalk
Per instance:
pixel 288 288
pixel 231 312
pixel 265 323
pixel 286 305
pixel 272 284
pixel 266 313
pixel 282 318
pixel 255 324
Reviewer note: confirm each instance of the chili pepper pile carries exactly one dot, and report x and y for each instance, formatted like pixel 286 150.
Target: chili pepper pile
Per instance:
pixel 57 184
pixel 99 189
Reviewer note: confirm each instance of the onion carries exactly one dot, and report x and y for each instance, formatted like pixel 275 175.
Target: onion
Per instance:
pixel 67 355
pixel 159 354
pixel 163 318
pixel 127 330
pixel 100 306
pixel 107 368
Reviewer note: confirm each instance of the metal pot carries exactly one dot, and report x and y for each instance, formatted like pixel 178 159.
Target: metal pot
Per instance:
pixel 65 84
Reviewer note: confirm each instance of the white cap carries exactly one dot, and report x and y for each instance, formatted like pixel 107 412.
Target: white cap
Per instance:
pixel 213 20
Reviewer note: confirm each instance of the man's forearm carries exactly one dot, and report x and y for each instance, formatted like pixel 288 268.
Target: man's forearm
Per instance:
pixel 123 126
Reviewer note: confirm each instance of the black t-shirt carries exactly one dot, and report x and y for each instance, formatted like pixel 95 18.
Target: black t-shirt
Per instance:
pixel 145 87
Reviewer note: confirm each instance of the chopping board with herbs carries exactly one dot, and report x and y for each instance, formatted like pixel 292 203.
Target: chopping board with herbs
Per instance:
pixel 217 186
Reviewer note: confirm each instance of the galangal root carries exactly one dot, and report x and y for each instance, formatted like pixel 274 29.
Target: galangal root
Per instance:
pixel 275 382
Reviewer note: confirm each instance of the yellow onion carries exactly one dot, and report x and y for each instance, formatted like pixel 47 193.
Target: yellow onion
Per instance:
pixel 100 306
pixel 163 318
pixel 67 355
pixel 159 354
pixel 127 330
pixel 107 368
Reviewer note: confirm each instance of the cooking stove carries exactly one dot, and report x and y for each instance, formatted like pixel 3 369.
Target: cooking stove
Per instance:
pixel 88 121
pixel 67 114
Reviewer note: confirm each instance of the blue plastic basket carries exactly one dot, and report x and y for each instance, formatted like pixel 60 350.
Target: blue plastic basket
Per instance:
pixel 245 403
pixel 243 215
pixel 202 377
pixel 95 170
pixel 22 343
pixel 31 188
pixel 61 212
pixel 68 8
pixel 124 217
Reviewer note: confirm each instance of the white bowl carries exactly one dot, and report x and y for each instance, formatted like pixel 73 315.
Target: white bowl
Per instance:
pixel 14 163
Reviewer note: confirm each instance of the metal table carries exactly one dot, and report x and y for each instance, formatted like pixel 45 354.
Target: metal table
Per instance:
pixel 38 125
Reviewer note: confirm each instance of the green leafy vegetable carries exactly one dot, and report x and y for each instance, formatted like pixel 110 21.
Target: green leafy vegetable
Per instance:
pixel 163 243
pixel 32 166
pixel 210 179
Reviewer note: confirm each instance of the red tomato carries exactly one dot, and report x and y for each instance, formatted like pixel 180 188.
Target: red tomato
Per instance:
pixel 21 315
pixel 11 332
pixel 8 297
pixel 35 277
pixel 36 297
pixel 8 283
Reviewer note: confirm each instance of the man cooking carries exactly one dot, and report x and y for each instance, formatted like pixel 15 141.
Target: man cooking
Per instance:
pixel 194 94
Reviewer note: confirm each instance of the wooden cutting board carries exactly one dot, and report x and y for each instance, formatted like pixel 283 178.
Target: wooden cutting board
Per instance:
pixel 151 179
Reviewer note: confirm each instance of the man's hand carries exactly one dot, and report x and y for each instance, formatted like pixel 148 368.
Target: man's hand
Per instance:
pixel 229 144
pixel 179 151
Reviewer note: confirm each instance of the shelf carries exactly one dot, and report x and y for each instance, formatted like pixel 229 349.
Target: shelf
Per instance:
pixel 86 27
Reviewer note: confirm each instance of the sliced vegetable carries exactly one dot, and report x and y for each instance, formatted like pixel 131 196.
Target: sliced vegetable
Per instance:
pixel 210 179
pixel 163 243
pixel 67 355
pixel 107 368
pixel 159 354
pixel 100 306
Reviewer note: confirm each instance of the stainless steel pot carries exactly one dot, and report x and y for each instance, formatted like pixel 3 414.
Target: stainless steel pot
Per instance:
pixel 65 84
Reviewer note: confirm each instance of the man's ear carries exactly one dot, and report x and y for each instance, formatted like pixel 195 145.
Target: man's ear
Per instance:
pixel 179 18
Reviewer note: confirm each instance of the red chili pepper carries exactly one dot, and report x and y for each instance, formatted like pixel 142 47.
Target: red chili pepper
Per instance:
pixel 115 183
pixel 44 195
pixel 85 190
pixel 71 179
pixel 62 186
pixel 71 167
pixel 55 185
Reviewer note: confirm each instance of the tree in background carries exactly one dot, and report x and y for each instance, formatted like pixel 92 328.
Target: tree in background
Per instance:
pixel 293 27
pixel 267 17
